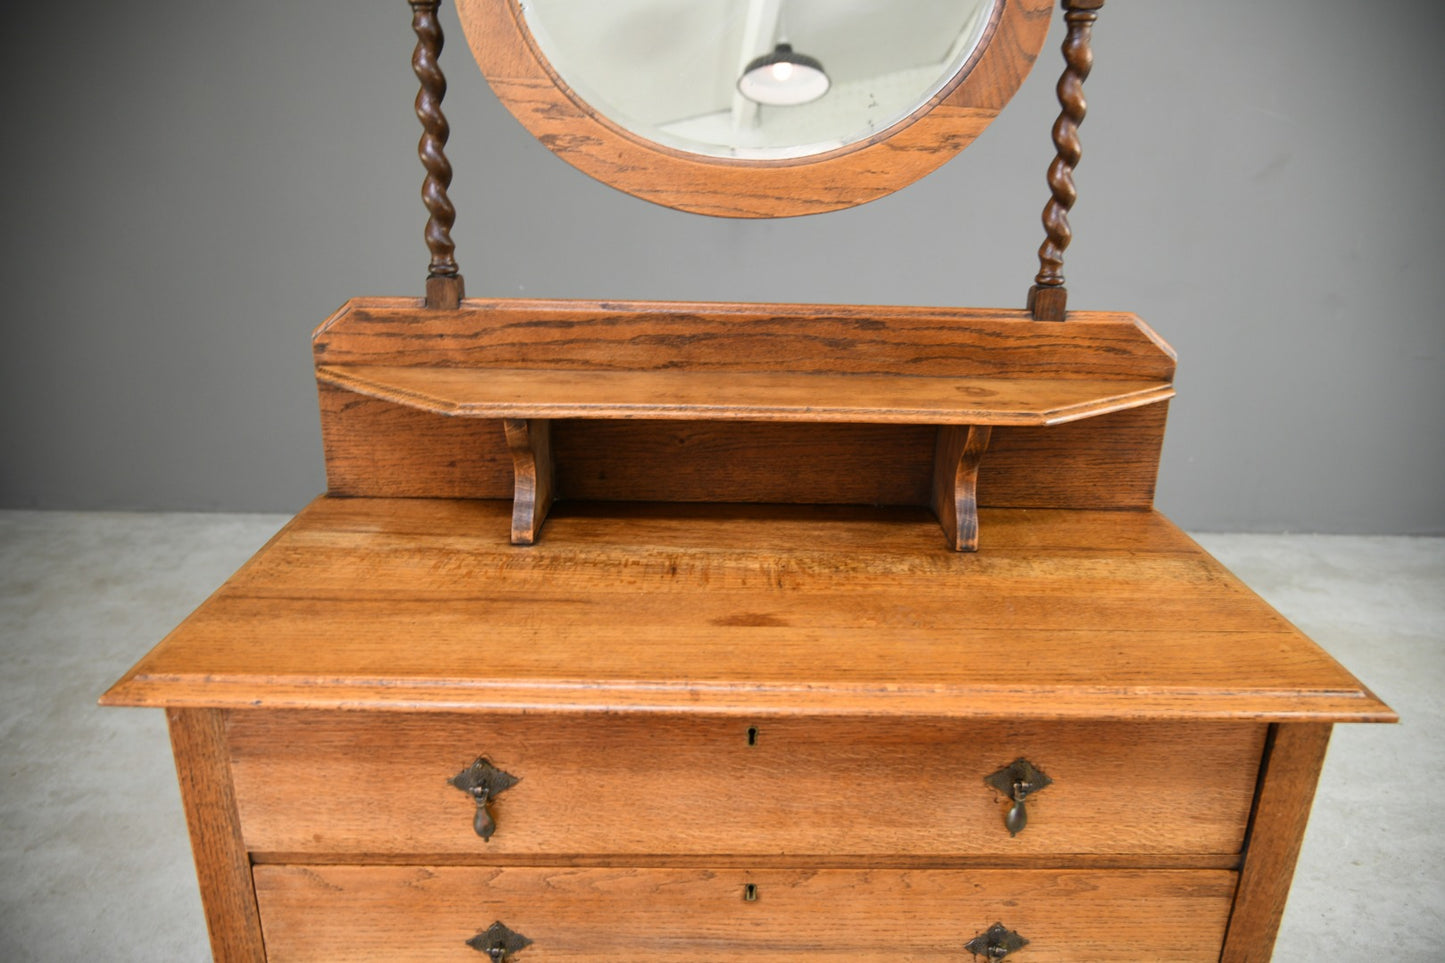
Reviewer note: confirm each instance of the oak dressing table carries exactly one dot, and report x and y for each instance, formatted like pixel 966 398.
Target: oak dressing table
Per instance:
pixel 676 631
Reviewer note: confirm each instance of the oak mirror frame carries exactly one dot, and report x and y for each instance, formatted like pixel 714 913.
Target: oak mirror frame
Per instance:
pixel 869 168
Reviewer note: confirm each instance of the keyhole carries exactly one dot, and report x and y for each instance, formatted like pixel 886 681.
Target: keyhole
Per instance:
pixel 752 735
pixel 750 893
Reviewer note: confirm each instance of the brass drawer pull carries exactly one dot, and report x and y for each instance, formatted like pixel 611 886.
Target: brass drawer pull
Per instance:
pixel 498 942
pixel 1018 780
pixel 996 942
pixel 483 781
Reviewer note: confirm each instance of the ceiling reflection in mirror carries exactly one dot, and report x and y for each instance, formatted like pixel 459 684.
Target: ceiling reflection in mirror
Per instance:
pixel 669 70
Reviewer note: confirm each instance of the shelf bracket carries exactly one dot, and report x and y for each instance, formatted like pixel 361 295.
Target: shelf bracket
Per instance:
pixel 957 451
pixel 530 440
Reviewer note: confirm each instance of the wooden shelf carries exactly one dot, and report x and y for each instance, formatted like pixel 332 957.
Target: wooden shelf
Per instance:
pixel 422 604
pixel 528 363
pixel 743 396
pixel 964 409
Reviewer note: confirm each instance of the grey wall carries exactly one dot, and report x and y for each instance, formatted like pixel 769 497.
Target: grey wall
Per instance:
pixel 191 186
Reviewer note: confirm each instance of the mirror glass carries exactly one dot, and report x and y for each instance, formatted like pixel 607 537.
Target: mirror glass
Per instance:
pixel 669 71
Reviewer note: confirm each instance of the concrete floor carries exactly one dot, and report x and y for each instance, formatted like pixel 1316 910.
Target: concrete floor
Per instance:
pixel 94 857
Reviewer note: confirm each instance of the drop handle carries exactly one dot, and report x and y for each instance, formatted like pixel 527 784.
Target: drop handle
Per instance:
pixel 1017 818
pixel 483 781
pixel 1018 781
pixel 484 823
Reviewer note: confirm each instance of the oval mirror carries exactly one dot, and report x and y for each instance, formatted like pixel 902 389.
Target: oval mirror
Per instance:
pixel 755 108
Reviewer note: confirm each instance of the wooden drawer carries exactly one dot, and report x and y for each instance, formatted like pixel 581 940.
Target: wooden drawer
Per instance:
pixel 636 785
pixel 665 915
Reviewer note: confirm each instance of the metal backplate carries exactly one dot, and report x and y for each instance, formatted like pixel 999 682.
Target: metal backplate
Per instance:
pixel 1022 773
pixel 499 942
pixel 996 942
pixel 485 776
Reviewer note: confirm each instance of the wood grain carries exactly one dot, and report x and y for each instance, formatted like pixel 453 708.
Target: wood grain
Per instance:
pixel 778 462
pixel 328 783
pixel 1048 303
pixel 445 292
pixel 1292 766
pixel 377 449
pixel 700 698
pixel 222 868
pixel 1053 861
pixel 426 604
pixel 707 336
pixel 957 454
pixel 380 448
pixel 683 915
pixel 532 393
pixel 530 441
pixel 1110 462
pixel 529 87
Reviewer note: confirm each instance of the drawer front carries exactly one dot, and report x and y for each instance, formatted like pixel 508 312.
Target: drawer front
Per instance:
pixel 665 915
pixel 363 783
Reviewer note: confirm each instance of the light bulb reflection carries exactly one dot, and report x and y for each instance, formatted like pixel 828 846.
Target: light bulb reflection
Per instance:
pixel 783 78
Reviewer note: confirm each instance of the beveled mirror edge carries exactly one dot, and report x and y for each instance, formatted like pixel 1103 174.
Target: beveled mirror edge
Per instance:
pixel 866 171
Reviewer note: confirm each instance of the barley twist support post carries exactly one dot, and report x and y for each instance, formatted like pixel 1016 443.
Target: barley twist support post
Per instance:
pixel 444 287
pixel 1048 298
